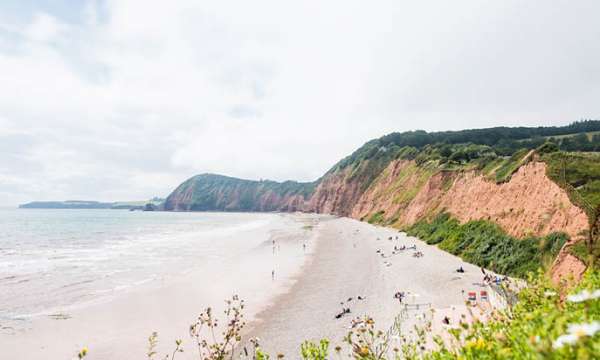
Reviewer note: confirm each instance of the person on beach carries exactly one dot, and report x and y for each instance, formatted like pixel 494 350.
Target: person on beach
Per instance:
pixel 344 312
pixel 273 274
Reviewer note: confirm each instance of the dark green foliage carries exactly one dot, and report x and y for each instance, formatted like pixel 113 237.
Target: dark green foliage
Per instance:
pixel 504 172
pixel 547 147
pixel 477 147
pixel 579 174
pixel 485 244
pixel 500 140
pixel 498 136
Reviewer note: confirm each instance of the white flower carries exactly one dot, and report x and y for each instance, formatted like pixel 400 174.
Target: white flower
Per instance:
pixel 549 293
pixel 584 296
pixel 564 339
pixel 576 332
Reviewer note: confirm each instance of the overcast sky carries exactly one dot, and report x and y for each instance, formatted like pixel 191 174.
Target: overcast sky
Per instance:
pixel 123 100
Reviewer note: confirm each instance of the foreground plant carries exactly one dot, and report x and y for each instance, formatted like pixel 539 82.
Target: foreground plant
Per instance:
pixel 542 325
pixel 214 346
pixel 212 342
pixel 546 323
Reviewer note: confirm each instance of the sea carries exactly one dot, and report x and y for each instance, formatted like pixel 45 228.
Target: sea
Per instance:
pixel 52 260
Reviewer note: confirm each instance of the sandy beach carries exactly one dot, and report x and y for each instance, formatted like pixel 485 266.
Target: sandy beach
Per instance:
pixel 346 265
pixel 344 259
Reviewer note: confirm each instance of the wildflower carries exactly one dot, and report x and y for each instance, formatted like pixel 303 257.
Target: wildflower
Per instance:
pixel 584 296
pixel 576 332
pixel 364 351
pixel 478 344
pixel 534 339
pixel 549 294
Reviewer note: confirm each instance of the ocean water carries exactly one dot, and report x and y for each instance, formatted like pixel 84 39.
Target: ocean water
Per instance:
pixel 51 260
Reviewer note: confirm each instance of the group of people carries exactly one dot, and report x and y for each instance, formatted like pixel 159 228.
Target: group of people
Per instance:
pixel 398 249
pixel 490 278
pixel 401 248
pixel 346 310
pixel 342 313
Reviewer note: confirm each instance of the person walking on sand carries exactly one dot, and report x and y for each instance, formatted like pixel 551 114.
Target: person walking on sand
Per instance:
pixel 273 274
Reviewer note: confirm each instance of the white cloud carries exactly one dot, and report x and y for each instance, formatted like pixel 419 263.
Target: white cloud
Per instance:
pixel 44 28
pixel 267 89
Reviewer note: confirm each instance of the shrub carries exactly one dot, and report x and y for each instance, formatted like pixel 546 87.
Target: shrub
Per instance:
pixel 485 244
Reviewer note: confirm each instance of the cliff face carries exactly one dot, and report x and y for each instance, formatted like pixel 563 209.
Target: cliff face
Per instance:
pixel 508 176
pixel 528 204
pixel 336 194
pixel 221 193
pixel 404 193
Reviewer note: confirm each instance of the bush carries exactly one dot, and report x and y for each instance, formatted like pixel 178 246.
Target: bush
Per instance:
pixel 485 244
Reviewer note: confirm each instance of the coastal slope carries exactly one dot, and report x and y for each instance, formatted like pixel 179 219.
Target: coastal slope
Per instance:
pixel 531 182
pixel 210 192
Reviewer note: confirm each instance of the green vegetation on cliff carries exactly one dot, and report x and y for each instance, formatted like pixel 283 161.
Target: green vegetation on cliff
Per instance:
pixel 501 148
pixel 578 173
pixel 485 244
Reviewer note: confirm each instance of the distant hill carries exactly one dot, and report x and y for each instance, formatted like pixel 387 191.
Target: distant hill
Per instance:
pixel 154 204
pixel 222 193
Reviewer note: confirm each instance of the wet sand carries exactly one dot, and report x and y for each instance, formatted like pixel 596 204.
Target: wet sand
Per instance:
pixel 119 328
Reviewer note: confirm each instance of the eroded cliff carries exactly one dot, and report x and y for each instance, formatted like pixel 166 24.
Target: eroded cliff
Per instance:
pixel 505 176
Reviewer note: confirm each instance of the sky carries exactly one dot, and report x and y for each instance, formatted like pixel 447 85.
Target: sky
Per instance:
pixel 123 100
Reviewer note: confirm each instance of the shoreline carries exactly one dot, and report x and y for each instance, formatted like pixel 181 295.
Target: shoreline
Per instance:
pixel 118 328
pixel 344 261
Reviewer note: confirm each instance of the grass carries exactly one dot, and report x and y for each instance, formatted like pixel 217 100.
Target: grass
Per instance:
pixel 485 244
pixel 504 171
pixel 580 251
pixel 579 174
